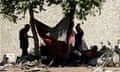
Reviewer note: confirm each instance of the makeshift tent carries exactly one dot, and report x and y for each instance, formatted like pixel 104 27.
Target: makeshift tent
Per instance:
pixel 58 40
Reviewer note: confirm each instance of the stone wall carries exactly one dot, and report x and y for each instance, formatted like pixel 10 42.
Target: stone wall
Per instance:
pixel 97 29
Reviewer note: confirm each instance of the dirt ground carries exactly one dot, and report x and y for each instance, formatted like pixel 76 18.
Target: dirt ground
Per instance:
pixel 62 69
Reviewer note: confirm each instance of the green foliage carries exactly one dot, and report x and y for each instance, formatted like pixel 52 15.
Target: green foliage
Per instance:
pixel 69 7
pixel 50 2
pixel 82 7
pixel 79 8
pixel 12 8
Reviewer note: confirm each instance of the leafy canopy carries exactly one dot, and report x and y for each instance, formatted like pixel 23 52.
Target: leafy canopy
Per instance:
pixel 83 7
pixel 11 8
pixel 79 8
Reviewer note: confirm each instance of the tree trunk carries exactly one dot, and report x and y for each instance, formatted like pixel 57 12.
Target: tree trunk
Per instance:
pixel 71 16
pixel 36 41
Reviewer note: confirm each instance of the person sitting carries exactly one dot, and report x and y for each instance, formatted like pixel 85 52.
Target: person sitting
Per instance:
pixel 88 54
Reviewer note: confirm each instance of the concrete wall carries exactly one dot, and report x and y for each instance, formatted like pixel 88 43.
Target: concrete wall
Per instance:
pixel 9 39
pixel 97 29
pixel 104 27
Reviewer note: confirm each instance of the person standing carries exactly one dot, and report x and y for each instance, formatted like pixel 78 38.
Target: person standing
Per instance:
pixel 23 37
pixel 78 37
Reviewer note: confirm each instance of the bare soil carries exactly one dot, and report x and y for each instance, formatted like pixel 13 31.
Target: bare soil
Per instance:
pixel 60 69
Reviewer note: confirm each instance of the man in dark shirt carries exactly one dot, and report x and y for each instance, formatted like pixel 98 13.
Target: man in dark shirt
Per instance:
pixel 24 39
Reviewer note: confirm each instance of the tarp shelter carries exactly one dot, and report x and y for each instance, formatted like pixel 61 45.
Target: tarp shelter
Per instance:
pixel 58 40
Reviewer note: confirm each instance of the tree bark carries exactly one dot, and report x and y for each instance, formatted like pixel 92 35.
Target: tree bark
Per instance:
pixel 71 16
pixel 35 37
